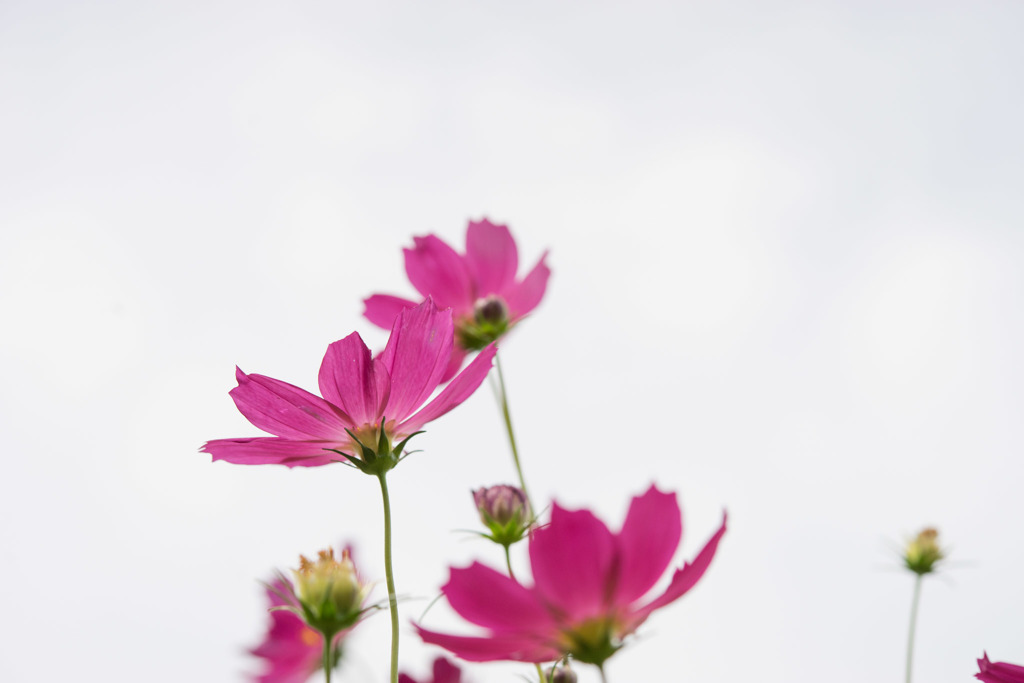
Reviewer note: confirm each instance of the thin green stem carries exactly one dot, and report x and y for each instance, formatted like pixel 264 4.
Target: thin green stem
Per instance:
pixel 508 563
pixel 327 659
pixel 390 574
pixel 913 624
pixel 540 671
pixel 511 434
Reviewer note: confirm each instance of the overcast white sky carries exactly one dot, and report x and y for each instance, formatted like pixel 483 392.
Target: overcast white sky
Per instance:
pixel 786 241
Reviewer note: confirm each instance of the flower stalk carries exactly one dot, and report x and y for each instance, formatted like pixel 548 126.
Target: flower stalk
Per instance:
pixel 913 624
pixel 503 397
pixel 390 575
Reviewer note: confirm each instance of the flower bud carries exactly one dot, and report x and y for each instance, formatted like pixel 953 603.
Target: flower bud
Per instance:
pixel 505 511
pixel 563 674
pixel 329 591
pixel 489 321
pixel 923 553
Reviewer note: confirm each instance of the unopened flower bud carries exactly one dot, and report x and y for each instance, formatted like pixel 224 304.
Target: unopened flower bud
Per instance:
pixel 329 591
pixel 923 553
pixel 505 511
pixel 489 321
pixel 563 674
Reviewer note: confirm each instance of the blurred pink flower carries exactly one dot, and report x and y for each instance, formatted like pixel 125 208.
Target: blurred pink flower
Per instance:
pixel 479 286
pixel 292 651
pixel 588 585
pixel 359 393
pixel 444 672
pixel 998 672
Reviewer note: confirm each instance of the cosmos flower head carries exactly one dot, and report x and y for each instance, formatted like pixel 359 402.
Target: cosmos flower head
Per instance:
pixel 480 286
pixel 370 406
pixel 589 587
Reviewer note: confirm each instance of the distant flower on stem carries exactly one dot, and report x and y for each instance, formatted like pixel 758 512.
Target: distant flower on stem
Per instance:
pixel 505 511
pixel 479 286
pixel 921 556
pixel 588 590
pixel 444 672
pixel 998 672
pixel 368 404
pixel 329 594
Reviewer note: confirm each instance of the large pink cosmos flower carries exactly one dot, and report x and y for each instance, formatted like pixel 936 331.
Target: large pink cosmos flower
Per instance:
pixel 444 672
pixel 588 586
pixel 361 393
pixel 479 286
pixel 292 651
pixel 998 672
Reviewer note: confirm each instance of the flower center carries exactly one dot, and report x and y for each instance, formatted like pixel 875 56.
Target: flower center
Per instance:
pixel 593 640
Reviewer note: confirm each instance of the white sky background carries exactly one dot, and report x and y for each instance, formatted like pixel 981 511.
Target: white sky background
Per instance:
pixel 786 245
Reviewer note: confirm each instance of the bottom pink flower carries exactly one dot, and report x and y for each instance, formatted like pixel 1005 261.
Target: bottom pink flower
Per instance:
pixel 998 672
pixel 292 651
pixel 588 590
pixel 444 672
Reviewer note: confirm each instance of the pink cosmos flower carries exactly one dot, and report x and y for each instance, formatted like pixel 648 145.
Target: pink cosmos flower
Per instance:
pixel 479 286
pixel 444 672
pixel 292 651
pixel 588 586
pixel 998 672
pixel 361 394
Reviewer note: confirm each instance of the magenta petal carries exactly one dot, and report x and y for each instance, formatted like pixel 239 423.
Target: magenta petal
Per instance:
pixel 572 560
pixel 999 672
pixel 491 648
pixel 351 380
pixel 436 270
pixel 273 451
pixel 286 410
pixel 455 363
pixel 491 257
pixel 382 309
pixel 684 579
pixel 446 672
pixel 457 391
pixel 647 542
pixel 416 357
pixel 523 297
pixel 491 599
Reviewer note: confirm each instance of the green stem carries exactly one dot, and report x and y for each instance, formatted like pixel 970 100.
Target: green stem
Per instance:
pixel 913 624
pixel 604 678
pixel 327 658
pixel 390 574
pixel 540 673
pixel 508 563
pixel 511 435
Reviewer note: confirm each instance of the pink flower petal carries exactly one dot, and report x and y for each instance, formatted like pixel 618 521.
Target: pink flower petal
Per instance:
pixel 647 542
pixel 457 391
pixel 491 257
pixel 416 357
pixel 491 599
pixel 274 451
pixel 524 296
pixel 455 363
pixel 572 560
pixel 382 309
pixel 998 672
pixel 684 579
pixel 436 270
pixel 490 648
pixel 286 410
pixel 352 381
pixel 446 672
